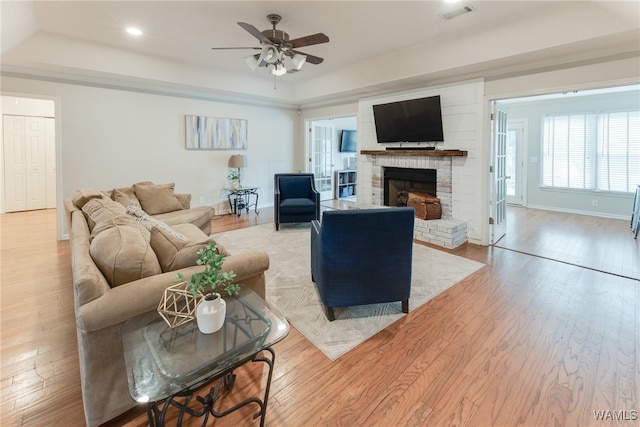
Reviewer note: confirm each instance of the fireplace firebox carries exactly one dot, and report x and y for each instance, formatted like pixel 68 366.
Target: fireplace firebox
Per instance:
pixel 398 182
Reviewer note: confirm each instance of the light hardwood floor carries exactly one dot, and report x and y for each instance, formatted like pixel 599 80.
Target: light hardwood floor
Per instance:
pixel 524 341
pixel 605 245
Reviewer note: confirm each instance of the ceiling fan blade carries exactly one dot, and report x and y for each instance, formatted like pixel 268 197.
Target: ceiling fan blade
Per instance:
pixel 311 59
pixel 228 48
pixel 255 32
pixel 309 40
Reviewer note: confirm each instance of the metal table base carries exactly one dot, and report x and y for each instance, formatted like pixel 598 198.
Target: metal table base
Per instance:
pixel 157 411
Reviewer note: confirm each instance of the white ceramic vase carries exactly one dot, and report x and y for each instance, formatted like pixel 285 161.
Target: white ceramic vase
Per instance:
pixel 210 313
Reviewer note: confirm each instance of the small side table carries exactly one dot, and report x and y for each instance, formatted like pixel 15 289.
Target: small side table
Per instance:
pixel 242 198
pixel 166 367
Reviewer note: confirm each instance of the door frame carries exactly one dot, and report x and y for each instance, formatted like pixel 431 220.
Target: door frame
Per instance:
pixel 61 227
pixel 308 122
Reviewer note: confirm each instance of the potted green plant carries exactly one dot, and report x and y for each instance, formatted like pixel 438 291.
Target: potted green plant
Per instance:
pixel 211 310
pixel 234 178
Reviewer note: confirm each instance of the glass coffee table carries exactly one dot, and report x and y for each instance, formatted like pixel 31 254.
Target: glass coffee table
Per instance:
pixel 166 366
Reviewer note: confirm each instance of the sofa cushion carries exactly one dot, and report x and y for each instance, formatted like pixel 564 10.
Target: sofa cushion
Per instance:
pixel 114 221
pixel 101 209
pixel 82 196
pixel 193 233
pixel 157 199
pixel 174 253
pixel 200 216
pixel 123 255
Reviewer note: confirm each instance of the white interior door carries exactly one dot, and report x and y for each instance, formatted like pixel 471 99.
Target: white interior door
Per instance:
pixel 321 160
pixel 498 222
pixel 15 166
pixel 25 163
pixel 36 163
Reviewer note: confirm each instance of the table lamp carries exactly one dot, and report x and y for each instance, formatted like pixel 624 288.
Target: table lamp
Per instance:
pixel 238 161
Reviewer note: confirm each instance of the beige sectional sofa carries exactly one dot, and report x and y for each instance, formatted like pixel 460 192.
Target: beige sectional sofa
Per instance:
pixel 122 261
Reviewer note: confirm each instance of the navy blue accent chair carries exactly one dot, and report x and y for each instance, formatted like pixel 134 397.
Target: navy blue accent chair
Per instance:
pixel 362 256
pixel 295 198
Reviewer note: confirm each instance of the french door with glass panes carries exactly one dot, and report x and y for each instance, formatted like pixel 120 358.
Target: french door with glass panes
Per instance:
pixel 498 202
pixel 516 148
pixel 321 159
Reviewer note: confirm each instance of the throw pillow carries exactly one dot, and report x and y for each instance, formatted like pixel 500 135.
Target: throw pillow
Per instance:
pixel 102 209
pixel 124 198
pixel 123 255
pixel 185 200
pixel 82 196
pixel 114 221
pixel 156 199
pixel 174 254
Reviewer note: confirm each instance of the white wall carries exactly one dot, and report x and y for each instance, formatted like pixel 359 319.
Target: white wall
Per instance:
pixel 614 205
pixel 112 138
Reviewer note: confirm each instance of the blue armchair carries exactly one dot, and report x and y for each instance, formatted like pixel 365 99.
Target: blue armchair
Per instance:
pixel 362 257
pixel 295 198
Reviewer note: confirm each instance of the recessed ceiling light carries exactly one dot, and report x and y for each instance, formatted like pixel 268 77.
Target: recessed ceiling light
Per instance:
pixel 134 31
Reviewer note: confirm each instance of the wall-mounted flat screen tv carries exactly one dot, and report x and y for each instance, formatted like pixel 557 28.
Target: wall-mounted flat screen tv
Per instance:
pixel 348 141
pixel 413 120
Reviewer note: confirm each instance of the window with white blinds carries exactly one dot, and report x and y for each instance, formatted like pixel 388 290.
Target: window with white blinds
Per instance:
pixel 592 151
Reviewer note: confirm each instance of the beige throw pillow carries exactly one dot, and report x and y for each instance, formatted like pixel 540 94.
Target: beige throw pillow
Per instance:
pixel 124 198
pixel 156 199
pixel 114 221
pixel 82 196
pixel 102 209
pixel 123 255
pixel 174 254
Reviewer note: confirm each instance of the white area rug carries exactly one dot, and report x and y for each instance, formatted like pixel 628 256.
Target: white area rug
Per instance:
pixel 290 289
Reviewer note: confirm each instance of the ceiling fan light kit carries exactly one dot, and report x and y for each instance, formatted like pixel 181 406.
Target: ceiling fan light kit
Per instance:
pixel 269 54
pixel 298 61
pixel 276 47
pixel 278 69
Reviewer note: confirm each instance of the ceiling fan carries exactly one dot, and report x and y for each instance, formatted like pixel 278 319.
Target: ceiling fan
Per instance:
pixel 276 47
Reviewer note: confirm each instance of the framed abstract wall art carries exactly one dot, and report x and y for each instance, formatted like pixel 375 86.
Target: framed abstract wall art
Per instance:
pixel 212 133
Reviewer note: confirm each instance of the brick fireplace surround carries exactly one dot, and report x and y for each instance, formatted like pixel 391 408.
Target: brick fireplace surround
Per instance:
pixel 447 232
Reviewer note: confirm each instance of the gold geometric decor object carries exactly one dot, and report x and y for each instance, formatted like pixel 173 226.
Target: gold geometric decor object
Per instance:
pixel 177 305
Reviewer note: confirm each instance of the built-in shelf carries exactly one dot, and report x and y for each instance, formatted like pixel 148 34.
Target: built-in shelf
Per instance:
pixel 432 153
pixel 345 183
